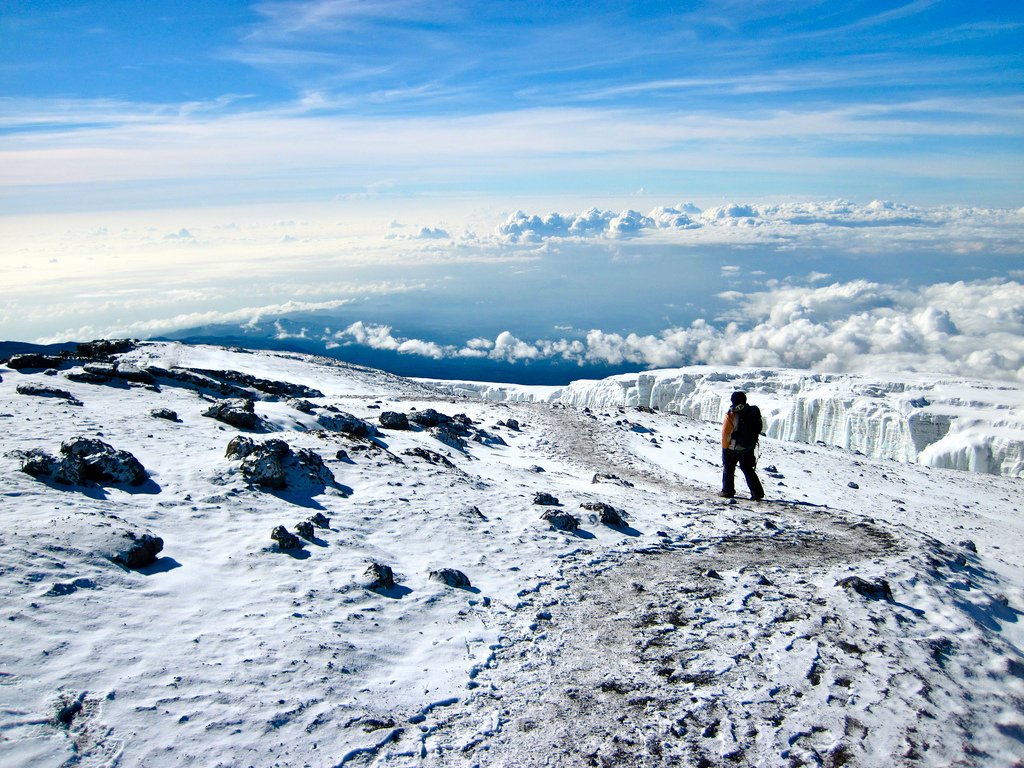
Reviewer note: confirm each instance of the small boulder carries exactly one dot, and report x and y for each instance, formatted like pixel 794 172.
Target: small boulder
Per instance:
pixel 320 520
pixel 449 436
pixel 138 551
pixel 561 520
pixel 286 540
pixel 969 545
pixel 302 406
pixel 853 485
pixel 603 477
pixel 264 468
pixel 305 530
pixel 429 418
pixel 512 424
pixel 378 576
pixel 545 499
pixel 103 463
pixel 164 413
pixel 346 423
pixel 238 412
pixel 450 577
pixel 393 420
pixel 606 513
pixel 239 447
pixel 879 589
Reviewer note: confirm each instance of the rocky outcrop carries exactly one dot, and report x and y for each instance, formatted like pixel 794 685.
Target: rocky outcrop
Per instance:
pixel 39 390
pixel 335 420
pixel 33 361
pixel 238 412
pixel 274 464
pixel 86 460
pixel 393 420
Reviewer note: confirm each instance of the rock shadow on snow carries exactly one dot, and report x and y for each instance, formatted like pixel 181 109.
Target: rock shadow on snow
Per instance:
pixel 160 565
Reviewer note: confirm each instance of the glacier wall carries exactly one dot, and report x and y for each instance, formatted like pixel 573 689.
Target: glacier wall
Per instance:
pixel 945 422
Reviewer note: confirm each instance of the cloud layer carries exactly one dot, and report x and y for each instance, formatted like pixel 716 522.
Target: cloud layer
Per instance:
pixel 967 328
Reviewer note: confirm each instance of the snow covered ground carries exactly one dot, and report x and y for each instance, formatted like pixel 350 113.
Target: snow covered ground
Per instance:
pixel 704 631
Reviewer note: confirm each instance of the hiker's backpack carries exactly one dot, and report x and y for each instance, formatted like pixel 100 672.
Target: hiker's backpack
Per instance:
pixel 746 428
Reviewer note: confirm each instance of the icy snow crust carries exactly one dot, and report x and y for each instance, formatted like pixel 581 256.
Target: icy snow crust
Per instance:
pixel 938 422
pixel 704 632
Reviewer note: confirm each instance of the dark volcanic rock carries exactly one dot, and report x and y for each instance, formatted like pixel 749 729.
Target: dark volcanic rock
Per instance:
pixel 602 477
pixel 305 530
pixel 450 577
pixel 33 360
pixel 273 464
pixel 449 436
pixel 164 413
pixel 339 421
pixel 545 499
pixel 561 520
pixel 138 551
pixel 103 348
pixel 320 520
pixel 38 390
pixel 393 420
pixel 879 589
pixel 378 576
pixel 239 447
pixel 238 412
pixel 429 418
pixel 277 389
pixel 606 513
pixel 103 463
pixel 285 539
pixel 427 455
pixel 512 424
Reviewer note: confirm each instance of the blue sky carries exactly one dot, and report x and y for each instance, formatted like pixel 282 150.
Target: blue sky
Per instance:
pixel 158 103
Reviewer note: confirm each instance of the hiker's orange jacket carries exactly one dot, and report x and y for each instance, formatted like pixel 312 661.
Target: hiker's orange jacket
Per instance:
pixel 727 426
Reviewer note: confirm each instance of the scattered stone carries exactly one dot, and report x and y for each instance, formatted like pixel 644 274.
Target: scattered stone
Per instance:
pixel 853 485
pixel 378 576
pixel 450 577
pixel 238 412
pixel 273 464
pixel 606 513
pixel 102 463
pixel 286 540
pixel 602 477
pixel 393 420
pixel 339 421
pixel 536 468
pixel 711 573
pixel 969 545
pixel 302 406
pixel 320 520
pixel 561 520
pixel 32 360
pixel 305 530
pixel 138 551
pixel 66 713
pixel 449 436
pixel 879 589
pixel 433 457
pixel 428 418
pixel 38 390
pixel 240 447
pixel 545 499
pixel 512 424
pixel 164 413
pixel 341 455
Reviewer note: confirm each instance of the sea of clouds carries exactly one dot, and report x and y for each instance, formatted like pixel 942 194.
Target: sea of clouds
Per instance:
pixel 833 286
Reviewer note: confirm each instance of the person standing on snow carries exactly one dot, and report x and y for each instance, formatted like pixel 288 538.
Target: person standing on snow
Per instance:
pixel 740 432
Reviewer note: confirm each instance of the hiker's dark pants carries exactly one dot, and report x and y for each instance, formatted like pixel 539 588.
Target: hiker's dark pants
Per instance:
pixel 747 461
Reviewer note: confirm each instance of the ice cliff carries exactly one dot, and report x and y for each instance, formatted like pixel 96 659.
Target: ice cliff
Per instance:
pixel 945 422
